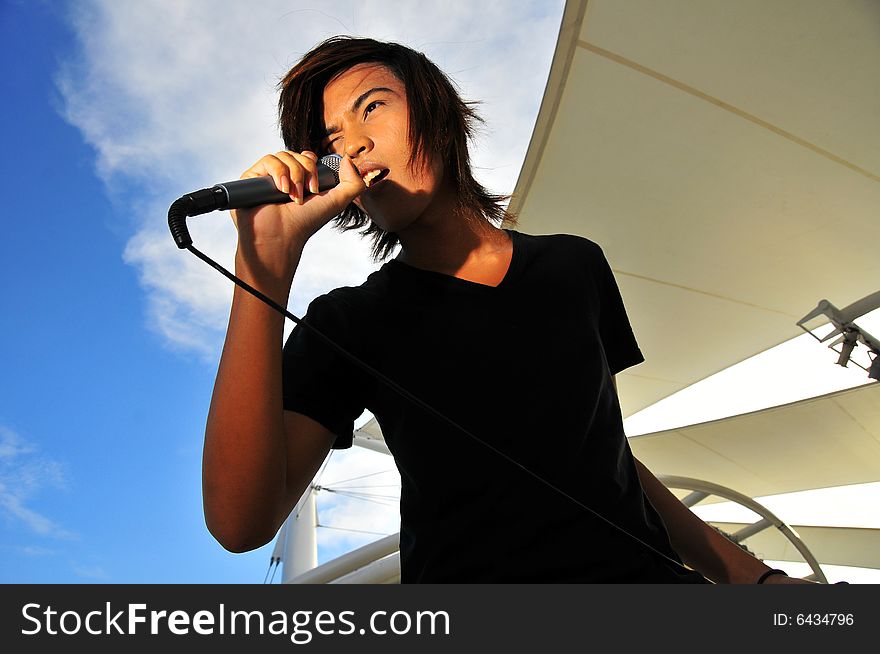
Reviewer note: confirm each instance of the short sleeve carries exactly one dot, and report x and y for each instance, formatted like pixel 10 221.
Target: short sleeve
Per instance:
pixel 621 349
pixel 318 381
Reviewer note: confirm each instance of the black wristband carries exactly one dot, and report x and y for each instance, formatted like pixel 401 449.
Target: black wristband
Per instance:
pixel 771 572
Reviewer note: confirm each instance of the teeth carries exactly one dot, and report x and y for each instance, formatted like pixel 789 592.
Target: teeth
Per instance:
pixel 370 176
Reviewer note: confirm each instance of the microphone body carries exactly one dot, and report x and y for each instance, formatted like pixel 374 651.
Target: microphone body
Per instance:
pixel 256 191
pixel 240 194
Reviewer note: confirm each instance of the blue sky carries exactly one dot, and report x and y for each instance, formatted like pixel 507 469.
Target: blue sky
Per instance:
pixel 102 424
pixel 110 335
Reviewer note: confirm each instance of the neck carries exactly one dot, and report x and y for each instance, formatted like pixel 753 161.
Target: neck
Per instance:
pixel 449 239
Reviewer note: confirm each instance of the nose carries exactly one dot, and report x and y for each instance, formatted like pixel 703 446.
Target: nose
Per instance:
pixel 357 143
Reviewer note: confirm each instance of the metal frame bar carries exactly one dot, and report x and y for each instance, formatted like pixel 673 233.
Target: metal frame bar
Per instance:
pixel 768 518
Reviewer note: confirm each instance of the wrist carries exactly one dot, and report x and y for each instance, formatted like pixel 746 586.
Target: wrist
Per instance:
pixel 271 280
pixel 770 573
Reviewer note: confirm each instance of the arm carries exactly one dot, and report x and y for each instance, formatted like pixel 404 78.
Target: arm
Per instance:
pixel 700 546
pixel 258 459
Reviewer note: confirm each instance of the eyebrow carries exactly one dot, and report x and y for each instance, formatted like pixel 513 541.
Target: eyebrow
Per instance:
pixel 332 129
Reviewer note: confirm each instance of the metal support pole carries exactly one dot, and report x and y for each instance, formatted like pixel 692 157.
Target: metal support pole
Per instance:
pixel 301 544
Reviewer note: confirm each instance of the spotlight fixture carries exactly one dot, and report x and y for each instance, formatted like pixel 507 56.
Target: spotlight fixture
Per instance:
pixel 849 334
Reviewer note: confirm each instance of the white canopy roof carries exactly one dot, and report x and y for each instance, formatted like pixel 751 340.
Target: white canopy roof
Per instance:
pixel 725 155
pixel 830 545
pixel 833 440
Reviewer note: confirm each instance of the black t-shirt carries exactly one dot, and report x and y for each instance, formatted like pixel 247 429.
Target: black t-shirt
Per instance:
pixel 525 366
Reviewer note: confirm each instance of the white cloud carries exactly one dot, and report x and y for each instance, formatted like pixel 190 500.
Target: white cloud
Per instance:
pixel 176 96
pixel 23 475
pixel 12 446
pixel 35 550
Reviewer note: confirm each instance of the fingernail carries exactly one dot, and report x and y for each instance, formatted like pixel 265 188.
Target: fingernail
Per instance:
pixel 299 192
pixel 313 185
pixel 285 184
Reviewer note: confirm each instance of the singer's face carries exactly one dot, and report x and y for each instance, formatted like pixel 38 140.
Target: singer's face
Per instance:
pixel 367 118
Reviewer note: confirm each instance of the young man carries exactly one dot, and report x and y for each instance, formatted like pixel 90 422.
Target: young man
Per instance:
pixel 515 338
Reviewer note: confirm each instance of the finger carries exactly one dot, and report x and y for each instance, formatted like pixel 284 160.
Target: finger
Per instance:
pixel 350 186
pixel 296 175
pixel 309 161
pixel 304 172
pixel 314 183
pixel 273 167
pixel 348 172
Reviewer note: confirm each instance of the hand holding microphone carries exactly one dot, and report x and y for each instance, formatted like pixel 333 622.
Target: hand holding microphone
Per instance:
pixel 278 184
pixel 255 191
pixel 282 201
pixel 277 205
pixel 280 178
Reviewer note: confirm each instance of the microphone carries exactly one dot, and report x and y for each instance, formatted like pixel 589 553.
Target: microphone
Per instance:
pixel 240 194
pixel 256 191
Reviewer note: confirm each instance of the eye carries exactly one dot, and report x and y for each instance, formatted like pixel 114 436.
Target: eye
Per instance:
pixel 331 144
pixel 370 107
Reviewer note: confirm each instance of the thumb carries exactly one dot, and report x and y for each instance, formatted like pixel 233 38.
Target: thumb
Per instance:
pixel 350 186
pixel 348 173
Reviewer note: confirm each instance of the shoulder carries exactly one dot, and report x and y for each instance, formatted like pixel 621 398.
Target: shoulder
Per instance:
pixel 557 243
pixel 565 252
pixel 348 303
pixel 343 315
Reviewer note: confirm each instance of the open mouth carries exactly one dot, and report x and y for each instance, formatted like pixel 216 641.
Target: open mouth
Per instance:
pixel 375 176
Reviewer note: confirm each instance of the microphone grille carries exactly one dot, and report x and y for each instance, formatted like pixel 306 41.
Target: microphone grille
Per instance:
pixel 332 162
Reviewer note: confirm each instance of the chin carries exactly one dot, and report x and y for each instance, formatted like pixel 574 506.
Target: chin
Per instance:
pixel 396 209
pixel 393 223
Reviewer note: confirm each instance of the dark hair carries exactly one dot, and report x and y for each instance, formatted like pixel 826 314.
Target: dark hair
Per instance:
pixel 439 121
